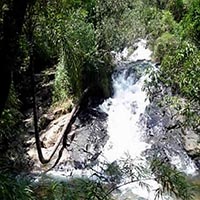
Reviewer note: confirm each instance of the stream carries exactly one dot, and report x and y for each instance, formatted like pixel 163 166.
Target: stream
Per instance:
pixel 128 127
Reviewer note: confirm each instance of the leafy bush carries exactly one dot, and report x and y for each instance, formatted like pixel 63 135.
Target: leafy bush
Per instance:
pixel 10 116
pixel 173 182
pixel 61 91
pixel 65 32
pixel 182 70
pixel 81 64
pixel 162 22
pixel 12 188
pixel 179 72
pixel 12 153
pixel 114 176
pixel 164 45
pixel 191 22
pixel 73 189
pixel 176 7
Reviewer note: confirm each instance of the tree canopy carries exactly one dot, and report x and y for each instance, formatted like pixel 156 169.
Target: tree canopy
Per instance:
pixel 74 39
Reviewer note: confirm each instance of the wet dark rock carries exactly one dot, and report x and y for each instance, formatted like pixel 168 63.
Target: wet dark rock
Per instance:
pixel 197 161
pixel 131 70
pixel 90 136
pixel 157 64
pixel 165 134
pixel 192 143
pixel 79 165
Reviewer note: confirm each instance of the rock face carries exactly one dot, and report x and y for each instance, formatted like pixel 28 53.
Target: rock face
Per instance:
pixel 85 141
pixel 90 137
pixel 49 137
pixel 169 142
pixel 192 143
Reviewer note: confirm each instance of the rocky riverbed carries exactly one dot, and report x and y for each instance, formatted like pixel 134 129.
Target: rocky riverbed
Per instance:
pixel 162 128
pixel 85 141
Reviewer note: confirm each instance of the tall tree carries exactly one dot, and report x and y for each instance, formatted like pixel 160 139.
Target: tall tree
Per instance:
pixel 13 19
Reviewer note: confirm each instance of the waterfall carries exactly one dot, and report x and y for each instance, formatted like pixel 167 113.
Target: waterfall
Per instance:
pixel 125 111
pixel 125 108
pixel 126 129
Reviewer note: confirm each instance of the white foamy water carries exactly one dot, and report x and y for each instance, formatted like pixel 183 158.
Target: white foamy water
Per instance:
pixel 125 109
pixel 141 53
pixel 125 132
pixel 187 165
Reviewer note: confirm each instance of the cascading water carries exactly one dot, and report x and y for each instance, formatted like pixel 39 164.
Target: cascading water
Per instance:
pixel 126 114
pixel 124 110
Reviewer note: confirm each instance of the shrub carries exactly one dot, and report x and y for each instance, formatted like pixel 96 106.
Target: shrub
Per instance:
pixel 176 7
pixel 182 70
pixel 162 22
pixel 73 189
pixel 61 91
pixel 164 45
pixel 13 188
pixel 191 22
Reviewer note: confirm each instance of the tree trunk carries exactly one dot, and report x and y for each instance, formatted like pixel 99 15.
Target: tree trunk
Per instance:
pixel 12 27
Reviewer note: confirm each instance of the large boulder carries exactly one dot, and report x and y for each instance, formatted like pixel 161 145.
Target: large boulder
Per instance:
pixel 191 143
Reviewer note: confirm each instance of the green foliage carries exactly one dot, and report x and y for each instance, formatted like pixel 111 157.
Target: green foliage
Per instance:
pixel 80 65
pixel 112 177
pixel 189 110
pixel 114 172
pixel 10 116
pixel 191 22
pixel 172 181
pixel 77 188
pixel 176 7
pixel 80 34
pixel 12 188
pixel 182 71
pixel 11 135
pixel 162 22
pixel 164 45
pixel 74 39
pixel 130 21
pixel 61 91
pixel 73 189
pixel 9 122
pixel 158 4
pixel 176 46
pixel 110 22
